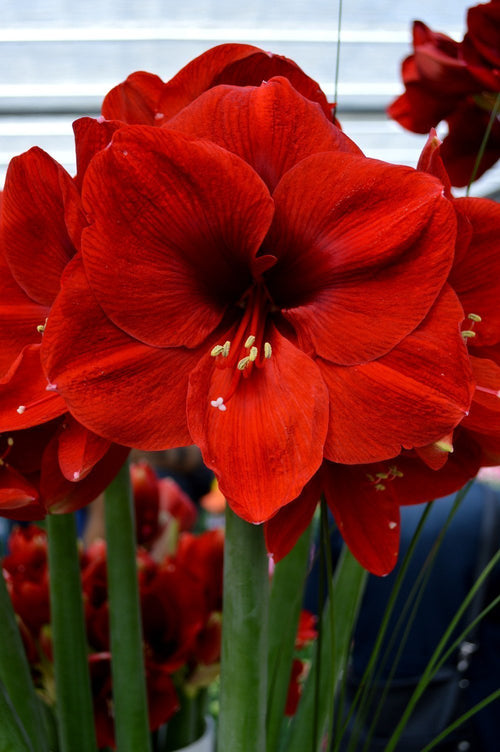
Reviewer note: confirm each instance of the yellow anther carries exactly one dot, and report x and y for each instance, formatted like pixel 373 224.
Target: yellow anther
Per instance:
pixel 217 350
pixel 379 487
pixel 444 445
pixel 474 317
pixel 250 341
pixel 253 354
pixel 393 470
pixel 268 350
pixel 226 347
pixel 468 333
pixel 10 441
pixel 243 363
pixel 41 327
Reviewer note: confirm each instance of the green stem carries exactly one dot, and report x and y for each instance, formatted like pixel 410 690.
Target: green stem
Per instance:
pixel 242 722
pixel 129 684
pixel 15 674
pixel 74 699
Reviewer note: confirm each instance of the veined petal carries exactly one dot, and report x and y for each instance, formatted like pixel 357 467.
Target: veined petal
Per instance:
pixel 19 318
pixel 474 275
pixel 363 250
pixel 18 498
pixel 33 230
pixel 237 65
pixel 484 415
pixel 410 397
pixel 284 529
pixel 134 100
pixel 269 441
pixel 60 495
pixel 123 390
pixel 272 127
pixel 24 398
pixel 368 520
pixel 79 449
pixel 175 227
pixel 91 135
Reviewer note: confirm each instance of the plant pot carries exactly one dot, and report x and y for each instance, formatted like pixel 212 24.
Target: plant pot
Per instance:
pixel 205 743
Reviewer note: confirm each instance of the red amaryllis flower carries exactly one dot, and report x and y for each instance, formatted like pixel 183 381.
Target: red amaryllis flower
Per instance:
pixel 144 99
pixel 456 82
pixel 270 295
pixel 365 499
pixel 40 223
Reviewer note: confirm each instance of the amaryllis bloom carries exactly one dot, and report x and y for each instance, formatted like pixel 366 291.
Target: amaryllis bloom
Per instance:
pixel 365 499
pixel 251 283
pixel 40 223
pixel 457 82
pixel 145 99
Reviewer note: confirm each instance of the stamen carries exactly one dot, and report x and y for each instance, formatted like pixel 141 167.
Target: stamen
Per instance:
pixel 21 409
pixel 243 363
pixel 51 388
pixel 253 354
pixel 468 333
pixel 217 350
pixel 474 317
pixel 250 341
pixel 268 350
pixel 10 444
pixel 76 475
pixel 41 327
pixel 392 525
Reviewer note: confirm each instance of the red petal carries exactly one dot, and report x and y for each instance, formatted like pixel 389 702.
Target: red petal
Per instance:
pixel 60 495
pixel 134 101
pixel 176 226
pixel 364 249
pixel 368 520
pixel 24 399
pixel 269 442
pixel 474 275
pixel 79 450
pixel 91 136
pixel 271 127
pixel 36 240
pixel 484 415
pixel 114 385
pixel 284 529
pixel 410 397
pixel 19 318
pixel 18 498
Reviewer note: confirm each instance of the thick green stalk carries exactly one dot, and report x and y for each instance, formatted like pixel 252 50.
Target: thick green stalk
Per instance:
pixel 242 722
pixel 74 699
pixel 15 674
pixel 129 684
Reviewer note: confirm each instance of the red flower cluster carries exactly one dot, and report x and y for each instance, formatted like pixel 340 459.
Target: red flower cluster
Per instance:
pixel 458 82
pixel 229 270
pixel 181 601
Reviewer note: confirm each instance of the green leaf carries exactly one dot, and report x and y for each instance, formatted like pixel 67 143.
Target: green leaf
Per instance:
pixel 287 592
pixel 336 634
pixel 15 674
pixel 13 737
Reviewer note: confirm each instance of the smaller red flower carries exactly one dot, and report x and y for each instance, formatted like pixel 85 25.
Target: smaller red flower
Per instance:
pixel 458 83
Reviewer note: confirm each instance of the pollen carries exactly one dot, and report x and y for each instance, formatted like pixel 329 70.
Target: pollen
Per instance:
pixel 51 387
pixel 76 475
pixel 268 350
pixel 41 327
pixel 21 409
pixel 468 334
pixel 253 354
pixel 250 341
pixel 474 317
pixel 393 525
pixel 219 404
pixel 243 363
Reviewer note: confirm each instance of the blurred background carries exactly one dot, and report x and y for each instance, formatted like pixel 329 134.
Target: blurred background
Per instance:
pixel 59 57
